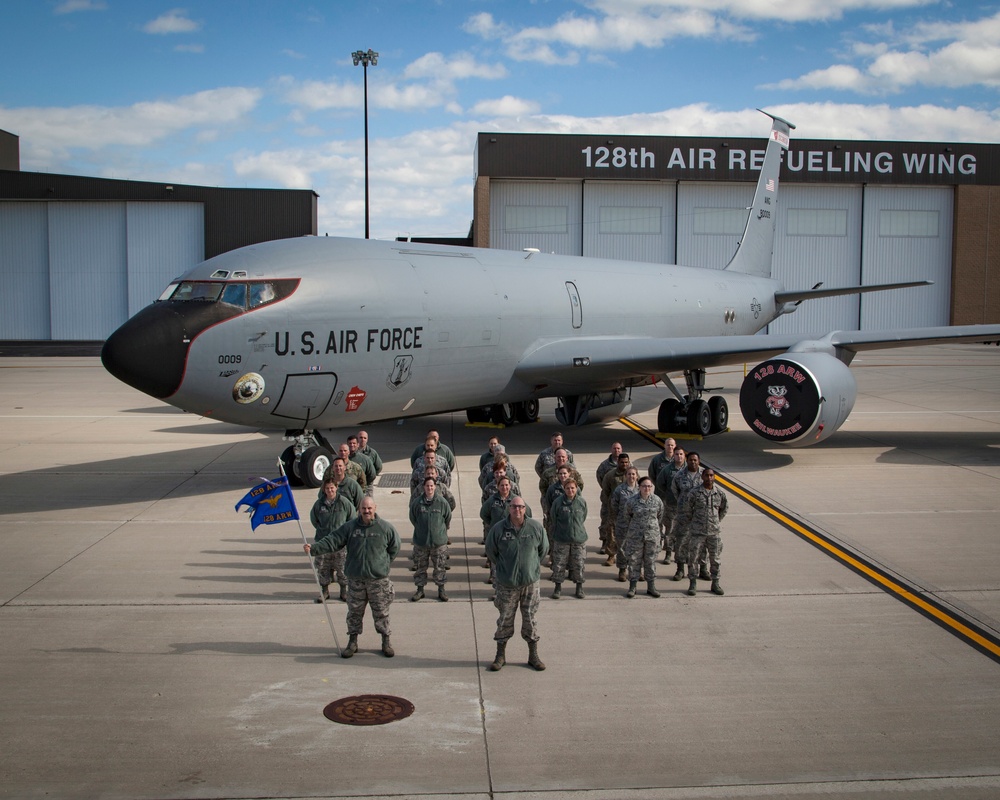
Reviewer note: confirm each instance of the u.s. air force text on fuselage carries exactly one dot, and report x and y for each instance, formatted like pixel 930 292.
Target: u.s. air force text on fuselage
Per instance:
pixel 345 341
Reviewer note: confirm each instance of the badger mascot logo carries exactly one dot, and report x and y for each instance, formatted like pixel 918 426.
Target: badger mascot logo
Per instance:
pixel 777 402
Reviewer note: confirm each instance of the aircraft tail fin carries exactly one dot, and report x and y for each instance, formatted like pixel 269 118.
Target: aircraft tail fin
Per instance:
pixel 753 254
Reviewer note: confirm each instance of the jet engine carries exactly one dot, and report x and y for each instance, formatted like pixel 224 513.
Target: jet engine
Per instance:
pixel 798 399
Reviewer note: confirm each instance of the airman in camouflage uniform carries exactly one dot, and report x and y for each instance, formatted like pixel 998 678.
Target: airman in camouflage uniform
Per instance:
pixel 439 447
pixel 346 485
pixel 664 490
pixel 354 469
pixel 548 456
pixel 684 481
pixel 607 465
pixel 430 516
pixel 611 481
pixel 372 543
pixel 705 507
pixel 642 539
pixel 516 545
pixel 660 460
pixel 329 513
pixel 359 458
pixel 370 451
pixel 628 489
pixel 569 534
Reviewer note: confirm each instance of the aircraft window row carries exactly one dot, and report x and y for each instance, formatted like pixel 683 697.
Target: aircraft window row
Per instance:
pixel 241 295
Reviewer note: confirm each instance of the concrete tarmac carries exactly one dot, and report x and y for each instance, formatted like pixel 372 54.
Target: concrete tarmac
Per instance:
pixel 155 647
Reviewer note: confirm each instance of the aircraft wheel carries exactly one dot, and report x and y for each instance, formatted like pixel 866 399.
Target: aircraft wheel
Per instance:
pixel 478 414
pixel 719 410
pixel 291 470
pixel 667 415
pixel 699 418
pixel 527 411
pixel 313 465
pixel 502 414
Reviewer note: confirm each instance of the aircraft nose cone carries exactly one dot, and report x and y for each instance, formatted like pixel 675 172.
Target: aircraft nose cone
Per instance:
pixel 149 351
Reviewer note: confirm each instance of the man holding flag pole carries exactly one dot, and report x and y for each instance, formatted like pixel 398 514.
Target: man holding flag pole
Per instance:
pixel 272 502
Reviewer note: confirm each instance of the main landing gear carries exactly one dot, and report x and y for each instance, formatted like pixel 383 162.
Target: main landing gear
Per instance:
pixel 693 414
pixel 505 414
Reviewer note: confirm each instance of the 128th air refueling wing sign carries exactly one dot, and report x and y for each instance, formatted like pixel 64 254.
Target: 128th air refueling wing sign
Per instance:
pixel 270 503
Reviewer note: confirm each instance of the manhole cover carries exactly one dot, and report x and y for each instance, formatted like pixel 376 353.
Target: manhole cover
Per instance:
pixel 368 709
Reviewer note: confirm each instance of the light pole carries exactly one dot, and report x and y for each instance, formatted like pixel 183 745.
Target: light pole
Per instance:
pixel 364 59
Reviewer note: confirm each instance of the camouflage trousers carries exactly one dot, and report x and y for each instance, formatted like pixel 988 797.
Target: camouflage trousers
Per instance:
pixel 378 593
pixel 641 552
pixel 329 565
pixel 681 541
pixel 667 540
pixel 701 547
pixel 436 557
pixel 606 530
pixel 572 553
pixel 507 600
pixel 621 559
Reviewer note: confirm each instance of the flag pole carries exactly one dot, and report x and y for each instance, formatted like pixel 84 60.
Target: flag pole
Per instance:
pixel 312 566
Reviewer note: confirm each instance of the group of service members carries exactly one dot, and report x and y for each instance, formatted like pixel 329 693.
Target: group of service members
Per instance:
pixel 676 507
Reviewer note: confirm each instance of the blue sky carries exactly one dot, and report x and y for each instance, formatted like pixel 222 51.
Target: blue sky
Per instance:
pixel 264 94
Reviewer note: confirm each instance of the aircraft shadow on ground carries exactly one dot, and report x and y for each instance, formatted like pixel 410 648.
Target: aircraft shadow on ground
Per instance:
pixel 138 479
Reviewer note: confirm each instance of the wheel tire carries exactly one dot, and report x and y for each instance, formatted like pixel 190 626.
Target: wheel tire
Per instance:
pixel 502 414
pixel 479 414
pixel 313 466
pixel 291 469
pixel 699 418
pixel 719 410
pixel 667 415
pixel 527 411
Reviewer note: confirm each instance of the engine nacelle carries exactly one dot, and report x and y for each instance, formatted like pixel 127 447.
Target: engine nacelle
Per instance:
pixel 798 399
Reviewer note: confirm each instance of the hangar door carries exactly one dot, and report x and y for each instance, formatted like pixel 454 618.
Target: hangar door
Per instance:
pixel 541 214
pixel 629 221
pixel 908 234
pixel 78 270
pixel 818 239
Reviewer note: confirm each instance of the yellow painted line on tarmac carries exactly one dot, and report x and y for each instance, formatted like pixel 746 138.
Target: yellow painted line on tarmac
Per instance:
pixel 983 640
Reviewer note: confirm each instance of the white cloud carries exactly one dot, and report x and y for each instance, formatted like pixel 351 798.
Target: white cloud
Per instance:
pixel 506 106
pixel 969 56
pixel 73 6
pixel 49 134
pixel 174 21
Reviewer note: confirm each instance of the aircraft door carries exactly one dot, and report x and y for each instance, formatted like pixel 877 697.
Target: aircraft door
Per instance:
pixel 305 396
pixel 574 304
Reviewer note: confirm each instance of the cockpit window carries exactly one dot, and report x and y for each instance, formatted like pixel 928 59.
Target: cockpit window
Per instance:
pixel 241 295
pixel 235 294
pixel 198 290
pixel 261 293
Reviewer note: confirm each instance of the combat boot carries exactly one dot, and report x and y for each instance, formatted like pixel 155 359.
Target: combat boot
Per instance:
pixel 631 590
pixel 352 646
pixel 500 659
pixel 557 592
pixel 679 575
pixel 704 574
pixel 533 659
pixel 621 576
pixel 579 591
pixel 693 587
pixel 651 589
pixel 324 592
pixel 442 596
pixel 387 650
pixel 418 595
pixel 716 588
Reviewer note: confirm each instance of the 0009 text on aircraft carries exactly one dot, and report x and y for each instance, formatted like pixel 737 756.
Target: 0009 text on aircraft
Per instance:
pixel 312 334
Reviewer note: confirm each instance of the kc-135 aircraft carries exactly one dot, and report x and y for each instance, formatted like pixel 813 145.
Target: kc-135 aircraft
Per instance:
pixel 312 334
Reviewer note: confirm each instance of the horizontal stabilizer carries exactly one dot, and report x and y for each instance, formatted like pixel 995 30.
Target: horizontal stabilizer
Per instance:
pixel 815 294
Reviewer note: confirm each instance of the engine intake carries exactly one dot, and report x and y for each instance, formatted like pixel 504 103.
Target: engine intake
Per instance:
pixel 798 399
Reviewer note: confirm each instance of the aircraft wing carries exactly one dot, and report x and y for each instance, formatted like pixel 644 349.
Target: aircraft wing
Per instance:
pixel 587 361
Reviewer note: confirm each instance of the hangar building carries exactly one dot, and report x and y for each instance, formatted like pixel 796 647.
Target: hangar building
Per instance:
pixel 850 212
pixel 80 255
